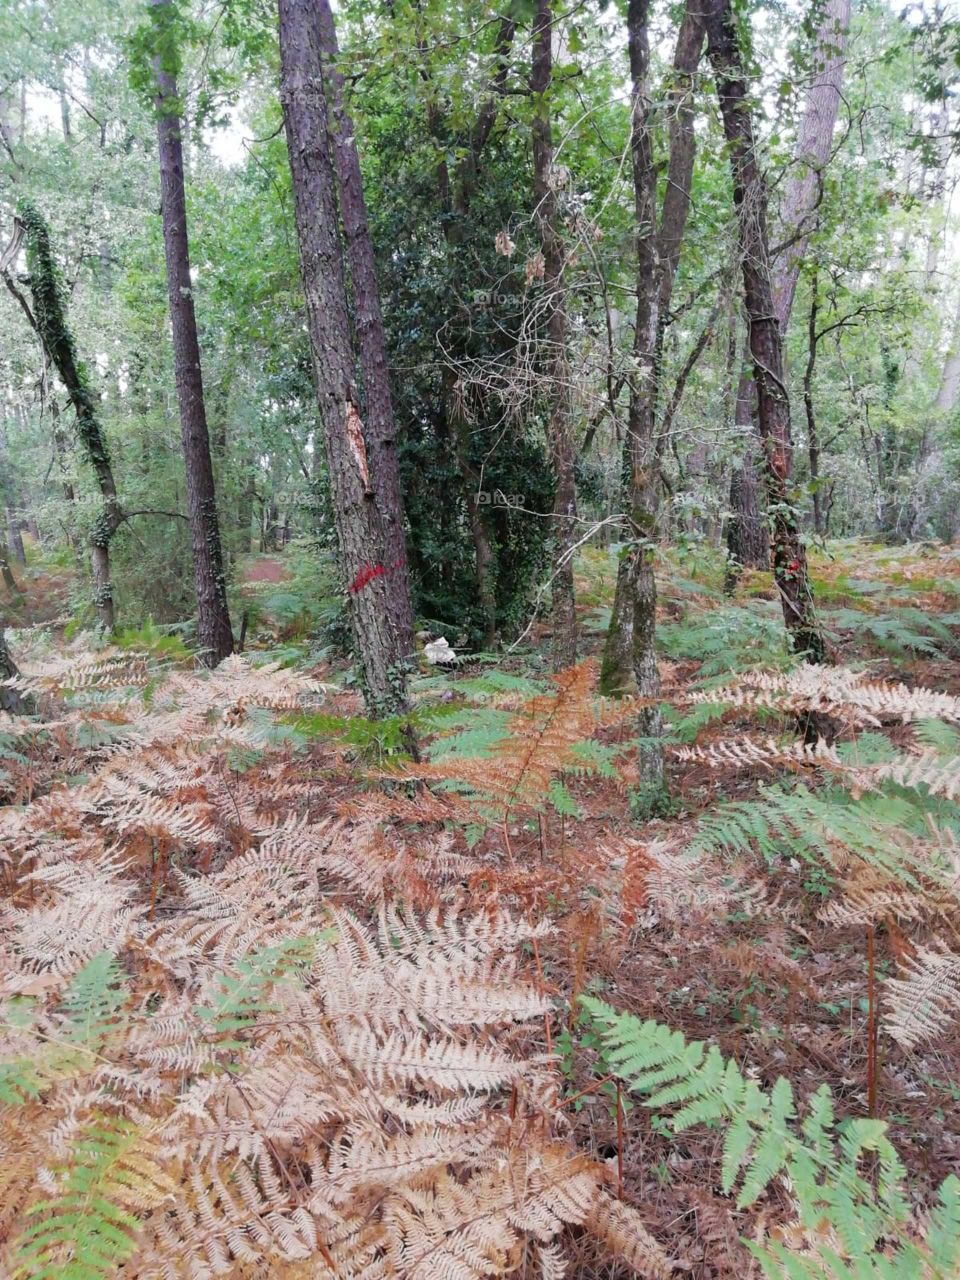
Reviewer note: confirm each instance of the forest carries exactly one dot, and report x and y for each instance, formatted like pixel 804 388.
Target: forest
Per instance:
pixel 479 638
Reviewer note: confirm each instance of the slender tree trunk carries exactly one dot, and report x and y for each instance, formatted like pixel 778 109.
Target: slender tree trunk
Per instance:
pixel 750 199
pixel 245 517
pixel 802 195
pixel 928 485
pixel 629 649
pixel 380 427
pixel 48 318
pixel 813 434
pixel 559 428
pixel 213 619
pixel 360 528
pixel 748 546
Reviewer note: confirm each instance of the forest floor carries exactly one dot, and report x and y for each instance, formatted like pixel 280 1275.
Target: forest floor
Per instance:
pixel 755 962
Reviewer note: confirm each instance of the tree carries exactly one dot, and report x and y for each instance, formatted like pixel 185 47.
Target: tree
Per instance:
pixel 629 651
pixel 47 316
pixel 766 343
pixel 380 429
pixel 11 700
pixel 559 426
pixel 213 618
pixel 747 538
pixel 361 535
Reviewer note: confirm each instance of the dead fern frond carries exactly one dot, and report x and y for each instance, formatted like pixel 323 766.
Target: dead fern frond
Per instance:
pixel 919 1005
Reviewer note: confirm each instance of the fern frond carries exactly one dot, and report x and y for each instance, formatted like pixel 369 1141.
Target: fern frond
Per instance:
pixel 926 999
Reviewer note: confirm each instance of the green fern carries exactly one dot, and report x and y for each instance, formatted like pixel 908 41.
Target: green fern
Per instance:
pixel 847 1180
pixel 91 1011
pixel 88 1228
pixel 881 828
pixel 244 996
pixel 726 638
pixel 901 633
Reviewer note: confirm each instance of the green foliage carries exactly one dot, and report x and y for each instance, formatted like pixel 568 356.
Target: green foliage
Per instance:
pixel 160 641
pixel 847 1180
pixel 244 996
pixel 882 828
pixel 91 1013
pixel 88 1227
pixel 900 633
pixel 726 638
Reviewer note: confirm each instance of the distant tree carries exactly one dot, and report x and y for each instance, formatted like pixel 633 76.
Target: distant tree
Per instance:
pixel 559 426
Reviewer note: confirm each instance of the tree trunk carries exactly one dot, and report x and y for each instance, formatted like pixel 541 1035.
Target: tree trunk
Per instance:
pixel 801 198
pixel 748 545
pixel 750 199
pixel 245 516
pixel 10 700
pixel 629 649
pixel 6 573
pixel 380 427
pixel 49 319
pixel 559 429
pixel 930 461
pixel 360 528
pixel 213 619
pixel 813 435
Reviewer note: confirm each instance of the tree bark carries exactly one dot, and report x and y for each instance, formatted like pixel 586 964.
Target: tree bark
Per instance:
pixel 748 546
pixel 6 573
pixel 360 527
pixel 629 648
pixel 10 700
pixel 380 427
pixel 773 405
pixel 49 320
pixel 802 194
pixel 813 435
pixel 801 199
pixel 559 428
pixel 213 619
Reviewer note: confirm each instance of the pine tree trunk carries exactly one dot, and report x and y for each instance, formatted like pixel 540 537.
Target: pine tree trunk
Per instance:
pixel 213 619
pixel 559 427
pixel 380 427
pixel 773 405
pixel 49 319
pixel 360 529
